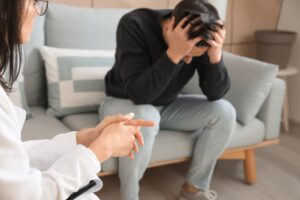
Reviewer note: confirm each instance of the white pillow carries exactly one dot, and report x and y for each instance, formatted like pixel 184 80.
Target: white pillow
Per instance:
pixel 75 79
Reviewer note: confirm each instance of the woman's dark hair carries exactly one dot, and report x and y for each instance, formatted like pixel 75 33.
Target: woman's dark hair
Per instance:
pixel 11 19
pixel 201 15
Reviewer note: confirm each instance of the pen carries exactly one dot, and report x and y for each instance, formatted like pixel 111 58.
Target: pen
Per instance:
pixel 81 191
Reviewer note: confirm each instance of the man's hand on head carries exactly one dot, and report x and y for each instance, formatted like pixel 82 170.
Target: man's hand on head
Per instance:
pixel 216 45
pixel 180 45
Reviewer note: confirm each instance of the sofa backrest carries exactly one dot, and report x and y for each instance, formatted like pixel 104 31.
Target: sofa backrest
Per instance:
pixel 251 83
pixel 34 75
pixel 67 27
pixel 82 28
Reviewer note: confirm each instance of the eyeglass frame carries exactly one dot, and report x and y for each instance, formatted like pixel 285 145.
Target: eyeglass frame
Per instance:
pixel 36 9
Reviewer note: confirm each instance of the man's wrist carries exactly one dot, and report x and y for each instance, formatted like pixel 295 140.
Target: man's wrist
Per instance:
pixel 173 56
pixel 216 58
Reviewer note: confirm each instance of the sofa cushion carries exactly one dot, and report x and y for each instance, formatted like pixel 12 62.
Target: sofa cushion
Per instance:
pixel 81 121
pixel 164 148
pixel 270 112
pixel 251 134
pixel 42 126
pixel 18 97
pixel 82 28
pixel 251 82
pixel 75 79
pixel 34 74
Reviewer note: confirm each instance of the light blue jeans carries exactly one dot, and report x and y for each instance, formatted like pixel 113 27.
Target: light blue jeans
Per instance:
pixel 187 113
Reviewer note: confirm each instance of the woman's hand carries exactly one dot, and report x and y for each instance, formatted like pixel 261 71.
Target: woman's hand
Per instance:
pixel 117 140
pixel 87 136
pixel 111 120
pixel 215 50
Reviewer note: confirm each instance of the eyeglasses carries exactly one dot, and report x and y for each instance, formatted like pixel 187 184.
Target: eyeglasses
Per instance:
pixel 41 6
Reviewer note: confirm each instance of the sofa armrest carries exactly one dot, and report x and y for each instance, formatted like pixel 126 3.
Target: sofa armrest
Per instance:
pixel 270 112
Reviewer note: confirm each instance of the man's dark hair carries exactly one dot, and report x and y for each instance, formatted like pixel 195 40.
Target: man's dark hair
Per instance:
pixel 201 15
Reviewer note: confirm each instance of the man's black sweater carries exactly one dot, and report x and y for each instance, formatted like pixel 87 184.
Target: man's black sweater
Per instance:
pixel 144 73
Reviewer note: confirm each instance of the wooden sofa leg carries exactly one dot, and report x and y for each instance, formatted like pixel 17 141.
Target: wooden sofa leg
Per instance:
pixel 250 166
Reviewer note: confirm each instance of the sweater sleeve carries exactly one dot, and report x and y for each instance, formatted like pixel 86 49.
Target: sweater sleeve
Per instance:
pixel 144 81
pixel 214 80
pixel 18 180
pixel 37 149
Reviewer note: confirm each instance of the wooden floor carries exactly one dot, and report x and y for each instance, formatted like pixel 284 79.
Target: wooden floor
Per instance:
pixel 278 172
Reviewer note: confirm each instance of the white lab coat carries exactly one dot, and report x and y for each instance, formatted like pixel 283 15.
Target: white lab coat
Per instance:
pixel 41 170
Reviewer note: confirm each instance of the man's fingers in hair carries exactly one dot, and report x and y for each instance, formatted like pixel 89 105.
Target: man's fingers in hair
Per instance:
pixel 217 38
pixel 187 28
pixel 197 25
pixel 222 33
pixel 220 24
pixel 197 21
pixel 212 43
pixel 171 24
pixel 196 40
pixel 196 28
pixel 182 22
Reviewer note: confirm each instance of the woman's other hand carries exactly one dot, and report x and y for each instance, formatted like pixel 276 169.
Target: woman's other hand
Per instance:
pixel 116 140
pixel 87 136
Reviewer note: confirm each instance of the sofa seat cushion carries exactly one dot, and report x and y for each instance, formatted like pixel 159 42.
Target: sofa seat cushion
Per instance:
pixel 164 148
pixel 42 126
pixel 78 122
pixel 251 134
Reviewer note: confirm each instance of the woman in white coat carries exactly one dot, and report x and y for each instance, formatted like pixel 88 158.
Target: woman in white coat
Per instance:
pixel 50 169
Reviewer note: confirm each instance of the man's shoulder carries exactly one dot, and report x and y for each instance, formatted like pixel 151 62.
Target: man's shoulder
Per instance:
pixel 142 15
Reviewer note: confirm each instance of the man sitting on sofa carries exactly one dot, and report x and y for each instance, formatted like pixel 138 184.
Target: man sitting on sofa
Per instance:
pixel 157 53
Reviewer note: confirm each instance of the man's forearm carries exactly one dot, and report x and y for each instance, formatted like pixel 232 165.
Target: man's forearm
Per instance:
pixel 145 88
pixel 214 81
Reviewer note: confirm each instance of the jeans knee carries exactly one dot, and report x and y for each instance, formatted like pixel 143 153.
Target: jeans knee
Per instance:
pixel 223 112
pixel 148 112
pixel 113 106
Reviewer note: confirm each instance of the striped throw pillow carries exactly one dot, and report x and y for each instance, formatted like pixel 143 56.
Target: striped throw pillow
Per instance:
pixel 75 79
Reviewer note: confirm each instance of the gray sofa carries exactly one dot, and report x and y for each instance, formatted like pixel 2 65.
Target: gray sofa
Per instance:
pixel 65 27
